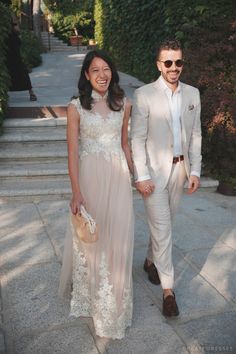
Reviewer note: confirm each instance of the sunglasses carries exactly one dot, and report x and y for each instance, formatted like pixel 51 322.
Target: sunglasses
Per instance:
pixel 168 63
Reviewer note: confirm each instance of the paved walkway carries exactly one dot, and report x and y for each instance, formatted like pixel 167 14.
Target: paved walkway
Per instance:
pixel 35 321
pixel 55 81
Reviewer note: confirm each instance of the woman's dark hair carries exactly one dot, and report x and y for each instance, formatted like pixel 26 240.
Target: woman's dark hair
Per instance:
pixel 115 92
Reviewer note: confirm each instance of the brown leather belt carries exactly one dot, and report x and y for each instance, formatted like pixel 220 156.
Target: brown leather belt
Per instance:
pixel 178 158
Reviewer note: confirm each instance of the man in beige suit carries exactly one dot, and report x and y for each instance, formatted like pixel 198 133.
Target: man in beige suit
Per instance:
pixel 166 146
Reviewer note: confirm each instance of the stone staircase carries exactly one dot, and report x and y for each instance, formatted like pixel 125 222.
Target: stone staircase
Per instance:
pixel 33 158
pixel 53 44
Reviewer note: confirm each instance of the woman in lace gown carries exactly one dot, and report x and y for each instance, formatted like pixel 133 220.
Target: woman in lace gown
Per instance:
pixel 101 272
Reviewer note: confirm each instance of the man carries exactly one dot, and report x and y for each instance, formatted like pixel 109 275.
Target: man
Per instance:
pixel 166 146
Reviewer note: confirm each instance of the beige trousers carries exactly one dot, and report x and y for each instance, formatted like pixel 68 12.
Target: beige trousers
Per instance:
pixel 160 207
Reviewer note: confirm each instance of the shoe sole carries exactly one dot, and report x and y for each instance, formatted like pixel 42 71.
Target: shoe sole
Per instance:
pixel 154 281
pixel 171 315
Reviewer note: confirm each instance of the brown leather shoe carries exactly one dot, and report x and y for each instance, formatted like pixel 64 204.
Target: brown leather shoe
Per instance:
pixel 152 272
pixel 170 307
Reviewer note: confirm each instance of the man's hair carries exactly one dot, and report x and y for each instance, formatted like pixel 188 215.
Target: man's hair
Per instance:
pixel 167 45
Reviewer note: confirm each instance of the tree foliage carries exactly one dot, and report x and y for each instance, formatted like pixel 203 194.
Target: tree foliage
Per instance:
pixel 131 30
pixel 4 77
pixel 68 16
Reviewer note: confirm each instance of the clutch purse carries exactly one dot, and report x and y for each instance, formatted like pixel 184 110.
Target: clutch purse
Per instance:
pixel 85 227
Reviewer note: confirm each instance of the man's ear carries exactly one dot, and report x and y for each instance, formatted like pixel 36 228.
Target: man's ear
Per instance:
pixel 158 65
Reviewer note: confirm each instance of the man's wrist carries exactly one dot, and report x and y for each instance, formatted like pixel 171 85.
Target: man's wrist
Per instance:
pixel 195 173
pixel 142 178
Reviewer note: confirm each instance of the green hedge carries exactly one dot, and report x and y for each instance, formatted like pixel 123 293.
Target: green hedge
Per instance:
pixel 124 29
pixel 131 30
pixel 4 77
pixel 31 49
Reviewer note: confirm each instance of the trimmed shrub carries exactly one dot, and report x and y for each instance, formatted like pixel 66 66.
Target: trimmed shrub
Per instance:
pixel 4 77
pixel 31 49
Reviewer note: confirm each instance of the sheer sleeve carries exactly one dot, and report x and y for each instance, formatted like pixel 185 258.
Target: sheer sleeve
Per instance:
pixel 77 104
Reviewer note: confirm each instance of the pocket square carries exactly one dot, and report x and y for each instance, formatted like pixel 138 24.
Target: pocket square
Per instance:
pixel 190 107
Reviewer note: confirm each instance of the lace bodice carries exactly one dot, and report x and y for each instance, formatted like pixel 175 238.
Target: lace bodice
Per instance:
pixel 100 130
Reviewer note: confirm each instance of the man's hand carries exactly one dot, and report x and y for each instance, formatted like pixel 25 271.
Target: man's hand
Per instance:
pixel 194 183
pixel 145 187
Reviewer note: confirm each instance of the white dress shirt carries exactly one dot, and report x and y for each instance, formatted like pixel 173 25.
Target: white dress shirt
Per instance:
pixel 175 100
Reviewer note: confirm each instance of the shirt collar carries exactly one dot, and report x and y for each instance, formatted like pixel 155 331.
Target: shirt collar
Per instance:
pixel 166 88
pixel 97 97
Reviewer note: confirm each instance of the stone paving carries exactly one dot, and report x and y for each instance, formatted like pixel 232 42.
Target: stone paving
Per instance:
pixel 35 321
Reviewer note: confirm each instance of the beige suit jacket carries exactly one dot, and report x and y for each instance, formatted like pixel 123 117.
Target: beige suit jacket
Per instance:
pixel 152 133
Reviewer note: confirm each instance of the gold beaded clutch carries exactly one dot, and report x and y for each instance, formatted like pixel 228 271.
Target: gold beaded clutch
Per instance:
pixel 85 228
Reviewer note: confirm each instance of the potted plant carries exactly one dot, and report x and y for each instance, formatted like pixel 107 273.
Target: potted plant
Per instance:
pixel 227 186
pixel 75 38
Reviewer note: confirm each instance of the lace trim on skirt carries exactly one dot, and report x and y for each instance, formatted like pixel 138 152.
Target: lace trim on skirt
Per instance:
pixel 108 321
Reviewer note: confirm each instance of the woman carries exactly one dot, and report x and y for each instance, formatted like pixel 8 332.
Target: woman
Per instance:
pixel 100 179
pixel 20 80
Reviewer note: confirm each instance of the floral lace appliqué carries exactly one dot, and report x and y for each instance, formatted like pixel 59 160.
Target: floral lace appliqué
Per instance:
pixel 108 322
pixel 100 134
pixel 80 301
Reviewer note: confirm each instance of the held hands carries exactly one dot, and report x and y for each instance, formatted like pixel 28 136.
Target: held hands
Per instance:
pixel 145 187
pixel 76 201
pixel 193 184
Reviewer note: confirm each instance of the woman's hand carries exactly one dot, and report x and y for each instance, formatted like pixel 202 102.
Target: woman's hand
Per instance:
pixel 76 201
pixel 145 187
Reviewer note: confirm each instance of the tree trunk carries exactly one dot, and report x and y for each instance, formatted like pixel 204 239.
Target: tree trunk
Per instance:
pixel 37 18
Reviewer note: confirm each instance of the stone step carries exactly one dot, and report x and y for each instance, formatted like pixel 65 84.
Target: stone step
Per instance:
pixel 54 44
pixel 8 169
pixel 66 49
pixel 58 48
pixel 34 135
pixel 55 186
pixel 61 46
pixel 34 122
pixel 36 111
pixel 27 161
pixel 33 150
pixel 207 182
pixel 46 34
pixel 33 130
pixel 52 40
pixel 77 50
pixel 35 187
